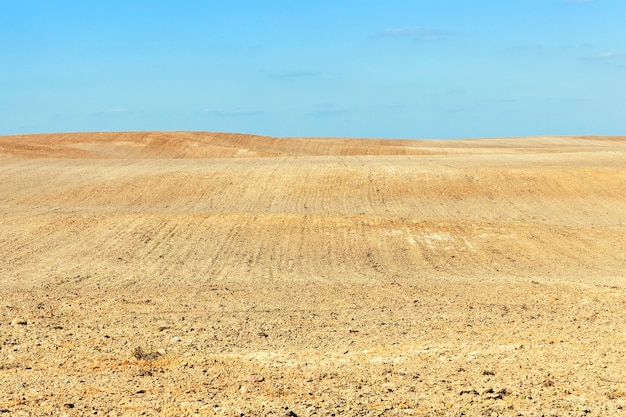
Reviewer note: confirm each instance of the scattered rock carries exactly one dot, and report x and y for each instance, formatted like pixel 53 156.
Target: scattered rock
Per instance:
pixel 256 378
pixel 615 394
pixel 18 321
pixel 243 389
pixel 389 386
pixel 68 405
pixel 547 383
pixel 500 394
pixel 140 354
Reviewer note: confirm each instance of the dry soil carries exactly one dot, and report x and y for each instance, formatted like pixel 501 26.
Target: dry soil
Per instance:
pixel 191 273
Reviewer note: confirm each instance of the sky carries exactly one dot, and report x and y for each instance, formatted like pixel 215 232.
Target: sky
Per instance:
pixel 343 68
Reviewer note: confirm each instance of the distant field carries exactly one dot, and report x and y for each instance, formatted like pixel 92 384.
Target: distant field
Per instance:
pixel 263 275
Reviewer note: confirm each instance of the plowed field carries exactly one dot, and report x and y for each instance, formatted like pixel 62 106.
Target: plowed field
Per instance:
pixel 191 273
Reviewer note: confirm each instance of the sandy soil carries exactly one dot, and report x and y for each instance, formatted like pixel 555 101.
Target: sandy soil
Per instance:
pixel 220 274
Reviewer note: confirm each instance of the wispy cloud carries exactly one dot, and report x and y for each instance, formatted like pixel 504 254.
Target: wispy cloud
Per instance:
pixel 420 34
pixel 329 113
pixel 609 55
pixel 606 56
pixel 230 113
pixel 294 74
pixel 325 106
pixel 113 112
pixel 396 107
pixel 526 47
pixel 567 100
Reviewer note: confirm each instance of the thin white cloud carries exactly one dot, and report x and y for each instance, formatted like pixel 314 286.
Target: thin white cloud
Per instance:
pixel 330 113
pixel 113 112
pixel 606 56
pixel 423 34
pixel 294 74
pixel 230 113
pixel 609 55
pixel 526 47
pixel 325 106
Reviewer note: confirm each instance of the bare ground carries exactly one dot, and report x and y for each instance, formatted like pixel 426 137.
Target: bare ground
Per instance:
pixel 200 273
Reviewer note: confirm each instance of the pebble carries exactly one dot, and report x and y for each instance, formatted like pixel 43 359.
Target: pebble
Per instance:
pixel 243 389
pixel 175 339
pixel 18 321
pixel 256 378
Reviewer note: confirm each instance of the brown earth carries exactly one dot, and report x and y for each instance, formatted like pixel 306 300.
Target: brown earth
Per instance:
pixel 220 274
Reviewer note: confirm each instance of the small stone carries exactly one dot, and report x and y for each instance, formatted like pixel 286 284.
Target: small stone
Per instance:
pixel 175 339
pixel 390 386
pixel 256 378
pixel 243 389
pixel 18 321
pixel 68 405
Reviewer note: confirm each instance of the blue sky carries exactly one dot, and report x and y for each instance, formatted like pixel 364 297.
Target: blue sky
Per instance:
pixel 394 68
